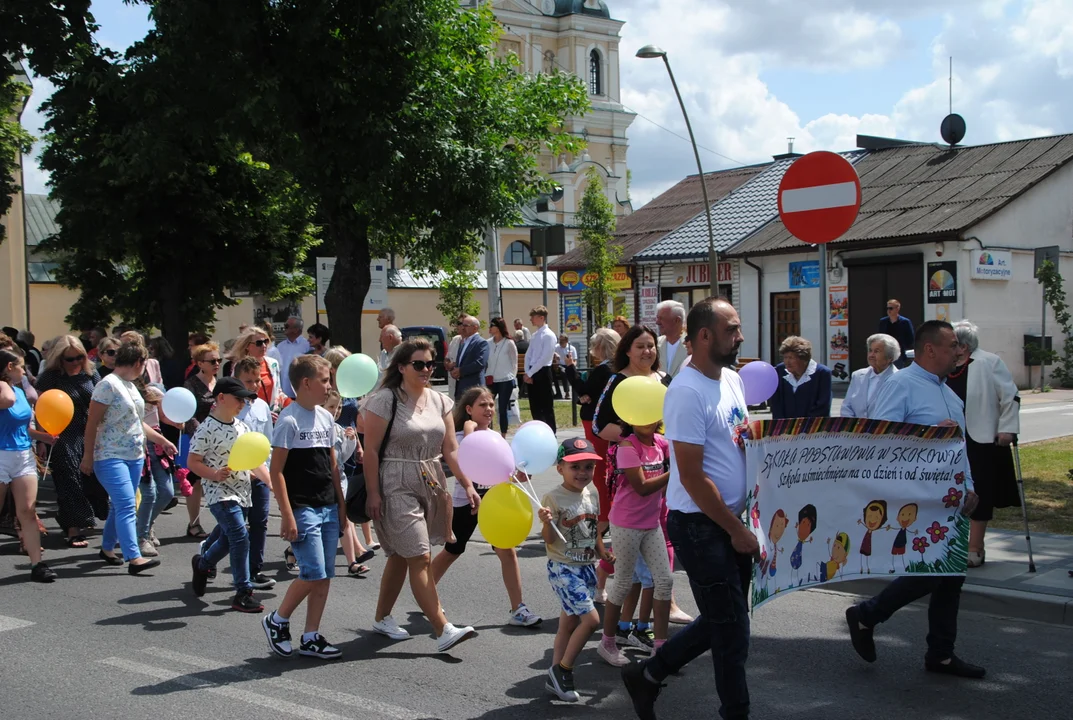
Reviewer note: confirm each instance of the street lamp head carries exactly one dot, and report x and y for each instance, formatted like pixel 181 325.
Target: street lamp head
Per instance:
pixel 651 51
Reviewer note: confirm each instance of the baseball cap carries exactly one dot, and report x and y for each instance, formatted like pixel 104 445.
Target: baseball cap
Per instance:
pixel 574 449
pixel 232 386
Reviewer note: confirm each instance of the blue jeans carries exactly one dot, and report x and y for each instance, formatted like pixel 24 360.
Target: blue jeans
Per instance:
pixel 942 609
pixel 157 491
pixel 232 518
pixel 258 521
pixel 502 391
pixel 119 478
pixel 317 543
pixel 719 578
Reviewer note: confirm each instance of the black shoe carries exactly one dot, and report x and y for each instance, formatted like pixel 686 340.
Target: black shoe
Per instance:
pixel 365 556
pixel 862 640
pixel 279 635
pixel 244 602
pixel 260 581
pixel 42 573
pixel 171 503
pixel 109 559
pixel 642 692
pixel 200 579
pixel 956 667
pixel 318 647
pixel 139 569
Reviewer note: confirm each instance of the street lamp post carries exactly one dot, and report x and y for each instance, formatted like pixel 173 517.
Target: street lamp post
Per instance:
pixel 652 51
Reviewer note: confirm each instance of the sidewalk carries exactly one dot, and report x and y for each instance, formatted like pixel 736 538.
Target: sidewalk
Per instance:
pixel 1004 586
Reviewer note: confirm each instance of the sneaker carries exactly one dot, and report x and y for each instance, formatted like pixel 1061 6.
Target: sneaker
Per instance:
pixel 613 656
pixel 524 617
pixel 561 684
pixel 147 548
pixel 244 602
pixel 320 648
pixel 201 551
pixel 260 581
pixel 622 637
pixel 200 579
pixel 452 636
pixel 643 639
pixel 642 692
pixel 42 573
pixel 278 634
pixel 152 537
pixel 389 627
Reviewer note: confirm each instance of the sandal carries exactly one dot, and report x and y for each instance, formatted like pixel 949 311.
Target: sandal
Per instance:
pixel 361 570
pixel 77 541
pixel 194 530
pixel 366 556
pixel 289 559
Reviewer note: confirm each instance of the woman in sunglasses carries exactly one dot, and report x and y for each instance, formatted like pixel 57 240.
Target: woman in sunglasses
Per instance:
pixel 106 350
pixel 68 369
pixel 207 360
pixel 254 342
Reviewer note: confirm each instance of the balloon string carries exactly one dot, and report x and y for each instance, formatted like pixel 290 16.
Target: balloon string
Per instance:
pixel 531 494
pixel 48 460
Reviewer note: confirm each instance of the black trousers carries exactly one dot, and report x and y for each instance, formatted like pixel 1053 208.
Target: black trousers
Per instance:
pixel 541 404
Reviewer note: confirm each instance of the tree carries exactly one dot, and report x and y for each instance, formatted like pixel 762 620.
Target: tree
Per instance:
pixel 456 285
pixel 596 220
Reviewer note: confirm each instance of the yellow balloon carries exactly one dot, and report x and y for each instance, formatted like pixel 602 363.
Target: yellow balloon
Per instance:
pixel 639 400
pixel 505 516
pixel 249 451
pixel 54 411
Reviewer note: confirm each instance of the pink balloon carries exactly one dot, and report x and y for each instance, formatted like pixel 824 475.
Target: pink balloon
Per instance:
pixel 485 458
pixel 761 381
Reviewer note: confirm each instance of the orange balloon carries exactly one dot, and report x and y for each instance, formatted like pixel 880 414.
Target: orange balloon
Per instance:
pixel 54 411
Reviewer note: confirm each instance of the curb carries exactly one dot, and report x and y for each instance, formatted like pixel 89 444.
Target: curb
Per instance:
pixel 1050 609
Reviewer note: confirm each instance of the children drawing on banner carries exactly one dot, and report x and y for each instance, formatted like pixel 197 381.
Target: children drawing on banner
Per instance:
pixel 777 528
pixel 906 517
pixel 875 515
pixel 839 554
pixel 806 524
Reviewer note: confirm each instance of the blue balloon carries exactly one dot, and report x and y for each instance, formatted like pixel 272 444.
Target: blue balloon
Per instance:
pixel 761 381
pixel 535 447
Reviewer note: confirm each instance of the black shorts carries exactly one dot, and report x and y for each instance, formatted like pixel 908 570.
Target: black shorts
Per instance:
pixel 463 524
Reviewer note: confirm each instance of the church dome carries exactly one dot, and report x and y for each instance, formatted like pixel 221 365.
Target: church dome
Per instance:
pixel 577 7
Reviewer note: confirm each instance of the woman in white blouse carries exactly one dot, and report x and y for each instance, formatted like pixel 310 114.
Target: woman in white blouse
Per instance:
pixel 502 368
pixel 864 384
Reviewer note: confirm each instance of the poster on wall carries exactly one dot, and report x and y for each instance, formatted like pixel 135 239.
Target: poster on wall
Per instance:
pixel 804 274
pixel 276 312
pixel 942 282
pixel 838 331
pixel 836 499
pixel 572 313
pixel 375 298
pixel 649 300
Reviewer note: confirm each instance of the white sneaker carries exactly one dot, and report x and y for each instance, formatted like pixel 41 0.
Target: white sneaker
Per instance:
pixel 452 636
pixel 614 657
pixel 524 617
pixel 147 549
pixel 389 627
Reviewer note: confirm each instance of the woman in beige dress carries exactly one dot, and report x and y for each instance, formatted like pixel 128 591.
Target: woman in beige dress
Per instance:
pixel 408 427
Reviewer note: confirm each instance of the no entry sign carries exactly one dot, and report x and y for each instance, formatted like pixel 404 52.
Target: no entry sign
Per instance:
pixel 819 197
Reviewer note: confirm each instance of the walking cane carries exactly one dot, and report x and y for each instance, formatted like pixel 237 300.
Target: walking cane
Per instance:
pixel 1024 504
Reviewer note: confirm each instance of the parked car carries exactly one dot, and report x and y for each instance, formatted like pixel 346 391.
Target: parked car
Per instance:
pixel 437 336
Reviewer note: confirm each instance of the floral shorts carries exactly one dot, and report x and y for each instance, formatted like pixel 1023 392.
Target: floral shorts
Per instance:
pixel 575 585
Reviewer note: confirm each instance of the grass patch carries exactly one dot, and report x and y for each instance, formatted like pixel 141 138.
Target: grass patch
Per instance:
pixel 1048 489
pixel 562 413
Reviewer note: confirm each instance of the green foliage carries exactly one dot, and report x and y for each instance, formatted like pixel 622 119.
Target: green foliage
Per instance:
pixel 596 220
pixel 1055 296
pixel 14 140
pixel 456 287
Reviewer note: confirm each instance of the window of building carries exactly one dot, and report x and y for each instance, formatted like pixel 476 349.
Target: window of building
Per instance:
pixel 595 74
pixel 518 253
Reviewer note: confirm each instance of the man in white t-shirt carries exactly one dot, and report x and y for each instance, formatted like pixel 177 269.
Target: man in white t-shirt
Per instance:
pixel 705 417
pixel 671 321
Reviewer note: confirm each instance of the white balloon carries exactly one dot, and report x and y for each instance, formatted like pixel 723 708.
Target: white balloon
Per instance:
pixel 179 404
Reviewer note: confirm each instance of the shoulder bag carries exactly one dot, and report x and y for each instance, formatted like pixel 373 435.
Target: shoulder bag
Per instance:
pixel 357 493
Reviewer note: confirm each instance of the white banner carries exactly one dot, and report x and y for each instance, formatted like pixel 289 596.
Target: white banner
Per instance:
pixel 841 498
pixel 375 299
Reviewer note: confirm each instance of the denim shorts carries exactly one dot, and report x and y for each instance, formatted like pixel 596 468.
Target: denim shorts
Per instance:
pixel 317 542
pixel 642 575
pixel 575 585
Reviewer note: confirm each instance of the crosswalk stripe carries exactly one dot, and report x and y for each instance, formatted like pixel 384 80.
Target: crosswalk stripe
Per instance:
pixel 232 693
pixel 10 623
pixel 292 686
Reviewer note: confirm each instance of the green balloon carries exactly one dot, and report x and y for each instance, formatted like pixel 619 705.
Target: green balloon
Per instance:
pixel 356 375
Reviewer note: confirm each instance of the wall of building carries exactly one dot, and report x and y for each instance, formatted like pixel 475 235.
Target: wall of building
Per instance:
pixel 13 307
pixel 755 313
pixel 49 305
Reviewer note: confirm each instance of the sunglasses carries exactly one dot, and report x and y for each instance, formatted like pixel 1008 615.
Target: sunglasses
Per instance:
pixel 260 343
pixel 214 361
pixel 109 353
pixel 422 365
pixel 890 307
pixel 78 358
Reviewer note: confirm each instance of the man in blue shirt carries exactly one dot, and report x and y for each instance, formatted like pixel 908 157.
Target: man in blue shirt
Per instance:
pixel 900 328
pixel 919 394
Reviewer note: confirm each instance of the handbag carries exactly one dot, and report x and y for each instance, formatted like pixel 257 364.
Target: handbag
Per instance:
pixel 357 493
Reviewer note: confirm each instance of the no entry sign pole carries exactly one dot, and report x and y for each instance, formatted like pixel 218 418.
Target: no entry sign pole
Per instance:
pixel 819 198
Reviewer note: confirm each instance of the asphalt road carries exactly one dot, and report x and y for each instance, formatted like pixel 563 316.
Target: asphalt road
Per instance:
pixel 99 643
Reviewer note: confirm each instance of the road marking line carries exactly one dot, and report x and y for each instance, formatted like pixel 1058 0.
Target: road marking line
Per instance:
pixel 10 623
pixel 270 703
pixel 819 197
pixel 1051 408
pixel 368 704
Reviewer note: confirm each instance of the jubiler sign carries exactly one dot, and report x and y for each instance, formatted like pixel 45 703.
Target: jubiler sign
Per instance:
pixel 840 498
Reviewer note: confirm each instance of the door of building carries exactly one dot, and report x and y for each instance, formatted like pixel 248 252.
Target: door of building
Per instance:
pixel 785 320
pixel 873 281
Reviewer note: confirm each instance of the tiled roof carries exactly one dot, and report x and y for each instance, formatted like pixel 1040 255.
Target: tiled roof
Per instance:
pixel 666 212
pixel 40 218
pixel 508 280
pixel 921 191
pixel 735 217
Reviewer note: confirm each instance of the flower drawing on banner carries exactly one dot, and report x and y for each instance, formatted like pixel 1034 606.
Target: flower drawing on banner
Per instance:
pixel 952 498
pixel 755 515
pixel 920 545
pixel 959 478
pixel 938 532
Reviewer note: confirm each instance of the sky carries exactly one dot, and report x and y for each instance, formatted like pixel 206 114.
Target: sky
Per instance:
pixel 755 72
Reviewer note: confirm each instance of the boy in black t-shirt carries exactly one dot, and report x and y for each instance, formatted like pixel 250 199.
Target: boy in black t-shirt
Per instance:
pixel 306 483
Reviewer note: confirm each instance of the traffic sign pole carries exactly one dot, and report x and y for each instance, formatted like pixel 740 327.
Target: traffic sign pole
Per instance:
pixel 824 339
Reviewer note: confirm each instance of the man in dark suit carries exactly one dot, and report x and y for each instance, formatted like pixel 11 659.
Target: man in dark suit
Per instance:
pixel 472 356
pixel 900 328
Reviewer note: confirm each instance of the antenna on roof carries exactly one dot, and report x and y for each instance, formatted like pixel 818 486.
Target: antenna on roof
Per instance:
pixel 952 128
